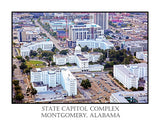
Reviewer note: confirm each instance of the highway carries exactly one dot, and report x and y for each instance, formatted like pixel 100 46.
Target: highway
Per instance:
pixel 55 41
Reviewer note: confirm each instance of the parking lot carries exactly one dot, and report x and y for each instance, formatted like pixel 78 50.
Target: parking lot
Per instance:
pixel 101 86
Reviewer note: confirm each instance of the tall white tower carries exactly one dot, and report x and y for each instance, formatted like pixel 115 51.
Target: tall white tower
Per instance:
pixel 101 19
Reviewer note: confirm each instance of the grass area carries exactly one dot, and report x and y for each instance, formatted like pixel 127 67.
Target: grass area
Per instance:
pixel 35 64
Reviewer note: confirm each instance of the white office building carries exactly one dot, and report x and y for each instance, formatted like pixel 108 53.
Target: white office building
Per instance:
pixel 85 31
pixel 28 33
pixel 129 75
pixel 82 60
pixel 142 55
pixel 135 46
pixel 27 47
pixel 69 82
pixel 129 97
pixel 102 20
pixel 44 78
pixel 99 42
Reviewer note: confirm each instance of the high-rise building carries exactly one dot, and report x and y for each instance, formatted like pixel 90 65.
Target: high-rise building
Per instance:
pixel 129 75
pixel 101 19
pixel 42 78
pixel 84 31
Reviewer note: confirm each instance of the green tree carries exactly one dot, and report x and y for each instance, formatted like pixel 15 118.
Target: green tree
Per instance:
pixel 19 96
pixel 53 63
pixel 33 53
pixel 17 87
pixel 111 73
pixel 27 58
pixel 23 60
pixel 63 52
pixel 19 57
pixel 117 47
pixel 50 58
pixel 27 70
pixel 85 49
pixel 23 66
pixel 133 89
pixel 140 88
pixel 85 84
pixel 14 67
pixel 15 82
pixel 33 91
pixel 39 50
pixel 101 59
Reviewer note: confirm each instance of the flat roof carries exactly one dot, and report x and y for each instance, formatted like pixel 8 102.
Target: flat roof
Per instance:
pixel 81 57
pixel 122 94
pixel 45 69
pixel 38 84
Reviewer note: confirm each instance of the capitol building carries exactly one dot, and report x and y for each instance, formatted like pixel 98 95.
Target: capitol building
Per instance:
pixel 82 60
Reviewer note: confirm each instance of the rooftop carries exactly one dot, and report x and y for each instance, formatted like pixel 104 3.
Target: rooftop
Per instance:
pixel 82 58
pixel 124 96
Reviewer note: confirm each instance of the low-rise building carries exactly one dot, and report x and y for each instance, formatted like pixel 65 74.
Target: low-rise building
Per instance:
pixel 82 60
pixel 142 55
pixel 27 47
pixel 135 46
pixel 129 97
pixel 99 42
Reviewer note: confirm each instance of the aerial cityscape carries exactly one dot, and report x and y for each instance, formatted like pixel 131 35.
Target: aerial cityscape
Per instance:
pixel 80 57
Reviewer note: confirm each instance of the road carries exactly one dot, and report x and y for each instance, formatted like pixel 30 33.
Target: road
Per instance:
pixel 55 41
pixel 17 75
pixel 15 53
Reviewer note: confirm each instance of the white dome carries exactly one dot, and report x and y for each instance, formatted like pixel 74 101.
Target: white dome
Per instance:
pixel 78 47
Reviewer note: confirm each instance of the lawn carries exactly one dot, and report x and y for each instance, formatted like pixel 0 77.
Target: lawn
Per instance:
pixel 35 64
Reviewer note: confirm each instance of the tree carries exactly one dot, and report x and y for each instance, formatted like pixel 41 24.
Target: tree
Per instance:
pixel 85 49
pixel 39 50
pixel 101 59
pixel 23 60
pixel 117 31
pixel 14 67
pixel 117 47
pixel 19 96
pixel 27 70
pixel 33 53
pixel 28 90
pixel 33 91
pixel 50 58
pixel 133 89
pixel 15 82
pixel 111 73
pixel 19 57
pixel 140 88
pixel 85 84
pixel 27 58
pixel 53 63
pixel 63 52
pixel 23 66
pixel 47 53
pixel 17 87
